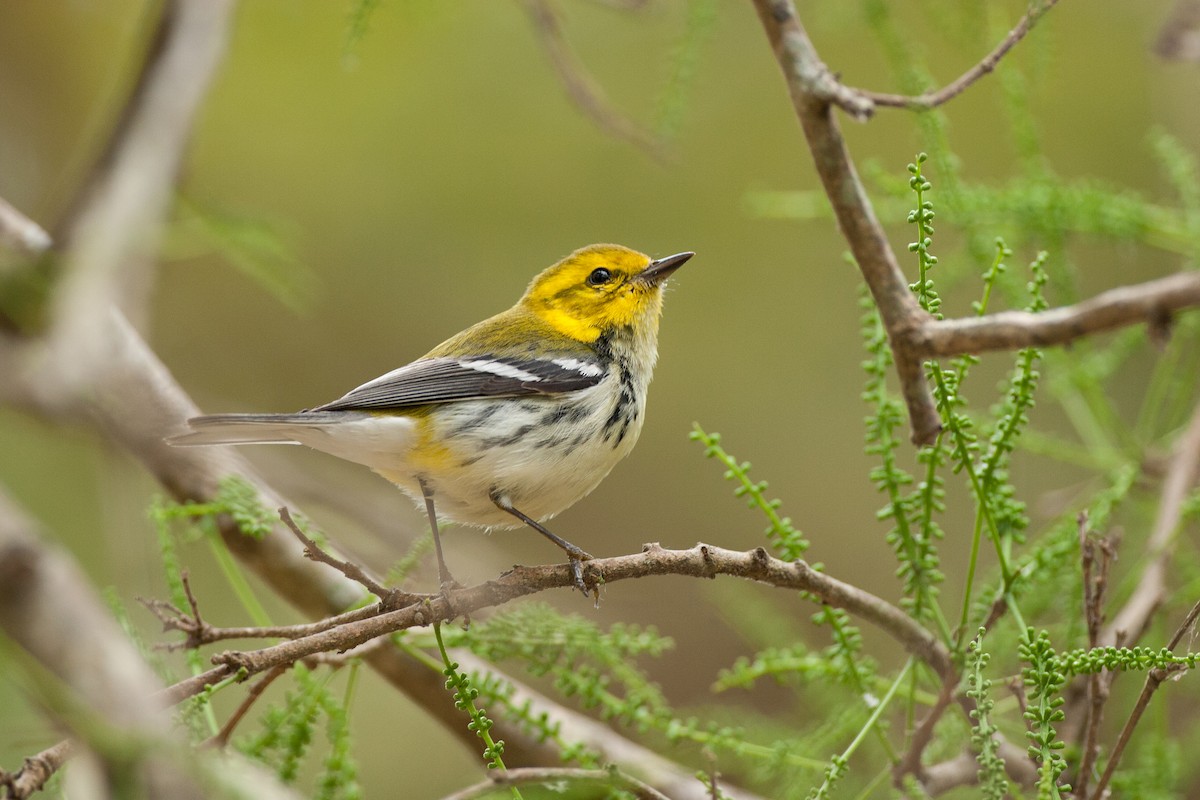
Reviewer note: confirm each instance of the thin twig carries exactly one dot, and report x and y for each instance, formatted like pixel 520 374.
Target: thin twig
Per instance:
pixel 1097 558
pixel 221 739
pixel 922 735
pixel 1154 679
pixel 201 634
pixel 390 598
pixel 956 87
pixel 584 92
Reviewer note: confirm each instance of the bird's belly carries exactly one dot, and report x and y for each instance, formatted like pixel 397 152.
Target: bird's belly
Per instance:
pixel 542 454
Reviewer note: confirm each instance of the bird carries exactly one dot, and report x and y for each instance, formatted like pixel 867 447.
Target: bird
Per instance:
pixel 512 420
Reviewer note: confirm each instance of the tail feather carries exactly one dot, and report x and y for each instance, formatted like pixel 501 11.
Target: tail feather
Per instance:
pixel 249 428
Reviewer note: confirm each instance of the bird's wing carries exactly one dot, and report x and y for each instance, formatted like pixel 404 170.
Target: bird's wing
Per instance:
pixel 443 380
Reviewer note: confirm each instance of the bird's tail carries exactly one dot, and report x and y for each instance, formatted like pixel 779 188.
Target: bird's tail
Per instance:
pixel 250 428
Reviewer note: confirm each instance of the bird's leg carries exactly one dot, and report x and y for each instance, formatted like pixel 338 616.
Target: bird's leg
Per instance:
pixel 445 579
pixel 575 555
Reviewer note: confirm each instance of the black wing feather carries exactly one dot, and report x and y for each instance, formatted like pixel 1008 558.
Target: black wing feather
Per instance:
pixel 445 380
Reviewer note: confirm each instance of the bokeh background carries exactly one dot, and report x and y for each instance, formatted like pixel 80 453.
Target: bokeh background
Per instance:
pixel 399 186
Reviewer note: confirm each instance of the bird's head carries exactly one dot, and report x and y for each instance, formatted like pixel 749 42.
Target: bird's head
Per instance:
pixel 601 288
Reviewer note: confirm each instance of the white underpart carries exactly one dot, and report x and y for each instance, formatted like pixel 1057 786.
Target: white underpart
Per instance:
pixel 499 368
pixel 585 368
pixel 380 441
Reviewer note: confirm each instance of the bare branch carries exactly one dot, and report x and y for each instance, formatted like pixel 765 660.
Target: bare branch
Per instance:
pixel 1097 557
pixel 221 738
pixel 922 735
pixel 110 243
pixel 581 88
pixel 959 85
pixel 1151 302
pixel 1153 680
pixel 390 598
pixel 200 633
pixel 1131 622
pixel 703 561
pixel 813 88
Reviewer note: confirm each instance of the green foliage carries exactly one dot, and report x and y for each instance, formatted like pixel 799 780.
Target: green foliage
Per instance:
pixel 236 497
pixel 992 778
pixel 682 64
pixel 255 248
pixel 915 532
pixel 1043 681
pixel 408 562
pixel 788 542
pixel 287 731
pixel 464 700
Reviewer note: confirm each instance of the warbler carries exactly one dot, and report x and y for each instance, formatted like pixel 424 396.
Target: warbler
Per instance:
pixel 510 421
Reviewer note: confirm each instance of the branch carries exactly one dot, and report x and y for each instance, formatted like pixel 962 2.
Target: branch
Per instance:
pixel 1152 302
pixel 1153 680
pixel 934 99
pixel 36 770
pixel 702 561
pixel 912 333
pixel 813 88
pixel 1131 622
pixel 100 688
pixel 221 739
pixel 1095 586
pixel 111 241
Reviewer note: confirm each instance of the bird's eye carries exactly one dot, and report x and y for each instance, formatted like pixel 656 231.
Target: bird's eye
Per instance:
pixel 599 277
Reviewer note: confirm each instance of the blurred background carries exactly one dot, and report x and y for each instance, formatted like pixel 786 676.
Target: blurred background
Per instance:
pixel 352 199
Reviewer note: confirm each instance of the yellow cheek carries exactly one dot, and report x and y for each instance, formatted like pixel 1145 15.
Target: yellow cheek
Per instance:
pixel 569 325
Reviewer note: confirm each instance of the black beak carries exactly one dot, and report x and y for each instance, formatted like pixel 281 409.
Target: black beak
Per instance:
pixel 660 269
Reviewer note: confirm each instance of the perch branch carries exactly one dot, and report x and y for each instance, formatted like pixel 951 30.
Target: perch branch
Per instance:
pixel 701 561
